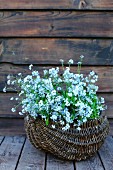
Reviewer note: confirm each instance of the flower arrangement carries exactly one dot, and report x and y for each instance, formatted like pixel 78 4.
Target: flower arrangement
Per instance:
pixel 68 99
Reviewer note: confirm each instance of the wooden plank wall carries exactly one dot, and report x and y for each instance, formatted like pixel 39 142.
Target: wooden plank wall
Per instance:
pixel 42 32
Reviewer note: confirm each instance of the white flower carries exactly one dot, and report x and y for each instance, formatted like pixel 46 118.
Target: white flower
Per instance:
pixel 70 94
pixel 13 110
pixel 8 82
pixel 35 73
pixel 53 93
pixel 102 100
pixel 92 73
pixel 66 127
pixel 70 61
pixel 59 88
pixel 12 98
pixel 43 117
pixel 19 74
pixel 23 111
pixel 4 89
pixel 8 77
pixel 61 122
pixel 62 61
pixel 53 126
pixel 87 80
pixel 53 72
pixel 67 102
pixel 20 113
pixel 78 128
pixel 19 80
pixel 40 103
pixel 30 67
pixel 13 82
pixel 92 81
pixel 85 120
pixel 81 56
pixel 54 117
pixel 16 98
pixel 79 63
pixel 45 72
pixel 76 90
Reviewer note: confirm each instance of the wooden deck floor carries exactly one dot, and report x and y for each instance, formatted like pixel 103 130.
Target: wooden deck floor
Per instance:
pixel 16 153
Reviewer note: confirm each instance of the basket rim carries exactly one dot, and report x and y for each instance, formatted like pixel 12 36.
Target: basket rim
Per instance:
pixel 89 124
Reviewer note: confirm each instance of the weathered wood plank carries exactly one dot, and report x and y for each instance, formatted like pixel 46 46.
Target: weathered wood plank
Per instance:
pixel 109 103
pixel 58 164
pixel 106 153
pixel 111 127
pixel 56 4
pixel 11 126
pixel 6 105
pixel 31 158
pixel 105 74
pixel 56 24
pixel 5 110
pixel 50 4
pixel 92 163
pixel 50 51
pixel 10 151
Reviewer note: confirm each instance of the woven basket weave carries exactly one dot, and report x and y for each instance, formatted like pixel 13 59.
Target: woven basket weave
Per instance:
pixel 71 144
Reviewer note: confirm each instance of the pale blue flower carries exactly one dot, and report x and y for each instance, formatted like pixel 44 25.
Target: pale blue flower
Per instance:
pixel 30 67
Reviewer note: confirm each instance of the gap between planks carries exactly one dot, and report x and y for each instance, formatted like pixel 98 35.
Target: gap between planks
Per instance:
pixel 10 149
pixel 17 153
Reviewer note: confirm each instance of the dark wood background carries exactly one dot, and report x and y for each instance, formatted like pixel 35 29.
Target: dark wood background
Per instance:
pixel 42 32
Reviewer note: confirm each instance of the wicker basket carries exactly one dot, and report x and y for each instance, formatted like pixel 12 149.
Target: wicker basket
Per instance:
pixel 71 144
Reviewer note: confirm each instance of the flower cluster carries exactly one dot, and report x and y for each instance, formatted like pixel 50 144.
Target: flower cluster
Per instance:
pixel 68 99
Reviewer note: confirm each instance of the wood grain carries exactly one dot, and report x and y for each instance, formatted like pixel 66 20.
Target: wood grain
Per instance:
pixel 105 74
pixel 111 127
pixel 56 24
pixel 90 164
pixel 50 4
pixel 31 158
pixel 106 153
pixel 9 152
pixel 109 103
pixel 57 4
pixel 11 126
pixel 50 51
pixel 57 164
pixel 6 105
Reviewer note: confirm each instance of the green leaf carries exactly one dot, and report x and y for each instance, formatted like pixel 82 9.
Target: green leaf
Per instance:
pixel 47 121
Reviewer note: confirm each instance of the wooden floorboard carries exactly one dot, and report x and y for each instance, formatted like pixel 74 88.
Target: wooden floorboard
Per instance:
pixel 54 163
pixel 17 153
pixel 31 158
pixel 106 153
pixel 94 163
pixel 9 152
